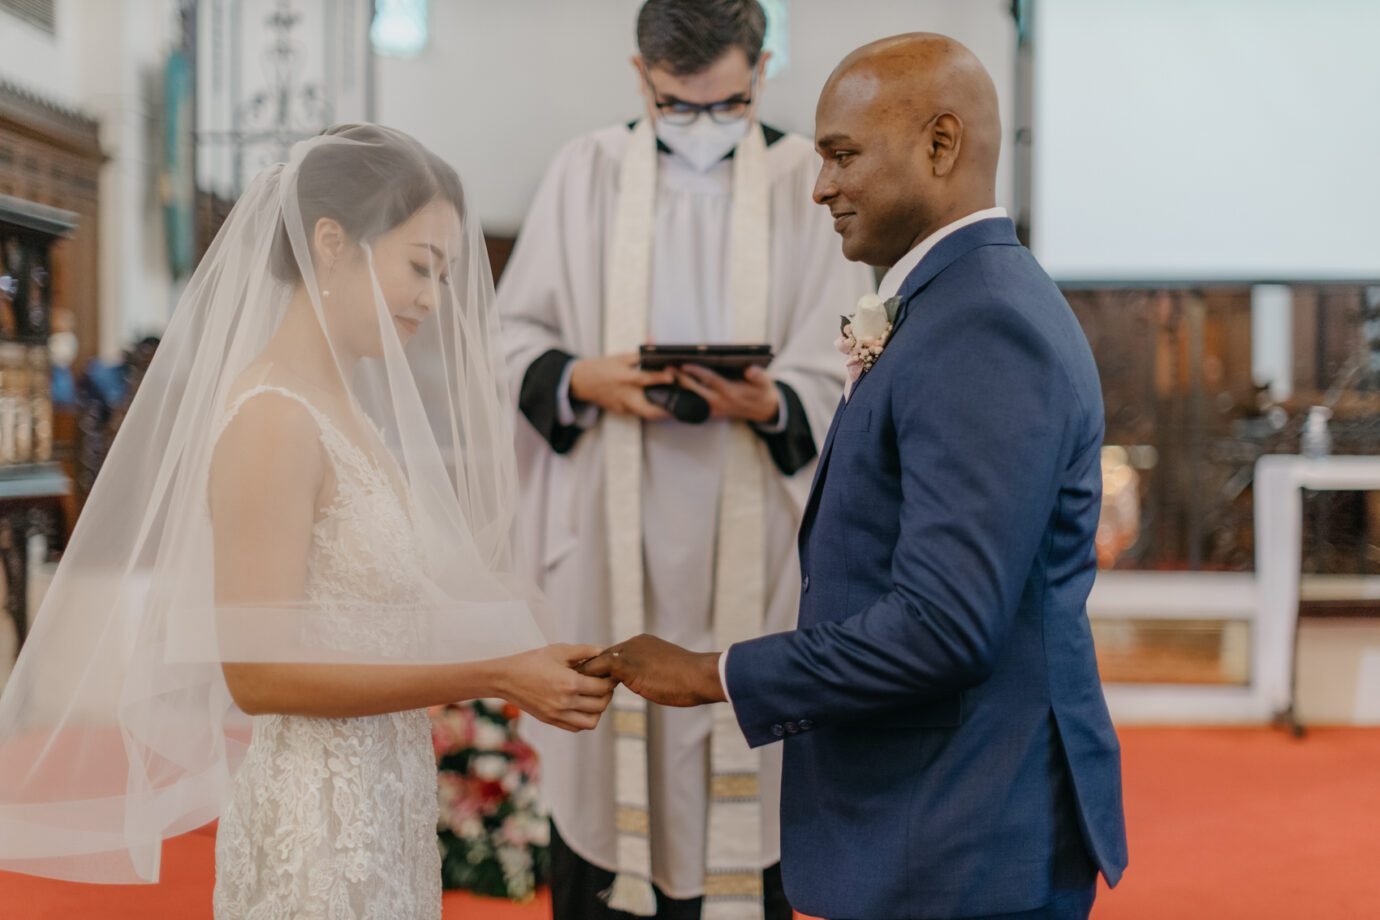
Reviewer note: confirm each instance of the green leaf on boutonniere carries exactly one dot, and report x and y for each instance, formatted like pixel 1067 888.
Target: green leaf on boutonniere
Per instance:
pixel 893 306
pixel 843 324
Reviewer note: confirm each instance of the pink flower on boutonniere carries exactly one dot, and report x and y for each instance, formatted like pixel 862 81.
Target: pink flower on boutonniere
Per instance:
pixel 844 343
pixel 866 332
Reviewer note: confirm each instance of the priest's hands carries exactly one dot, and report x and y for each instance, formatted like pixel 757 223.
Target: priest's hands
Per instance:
pixel 545 683
pixel 661 671
pixel 615 384
pixel 753 399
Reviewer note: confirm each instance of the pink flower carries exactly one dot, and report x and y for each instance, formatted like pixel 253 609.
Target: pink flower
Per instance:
pixel 452 729
pixel 865 334
pixel 457 801
pixel 440 740
pixel 513 832
pixel 844 344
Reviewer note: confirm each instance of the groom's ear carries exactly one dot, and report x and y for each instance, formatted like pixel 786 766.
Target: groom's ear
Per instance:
pixel 945 141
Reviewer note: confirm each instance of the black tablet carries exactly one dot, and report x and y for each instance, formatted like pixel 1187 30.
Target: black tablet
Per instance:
pixel 725 360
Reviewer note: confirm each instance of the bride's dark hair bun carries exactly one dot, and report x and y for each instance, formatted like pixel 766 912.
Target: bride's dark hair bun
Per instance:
pixel 368 186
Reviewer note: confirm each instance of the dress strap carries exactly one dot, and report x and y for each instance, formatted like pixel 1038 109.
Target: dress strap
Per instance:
pixel 341 450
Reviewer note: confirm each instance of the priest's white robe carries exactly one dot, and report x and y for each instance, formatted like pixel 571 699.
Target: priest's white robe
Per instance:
pixel 551 297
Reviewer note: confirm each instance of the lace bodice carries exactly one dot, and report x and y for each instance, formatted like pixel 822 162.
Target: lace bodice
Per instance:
pixel 336 818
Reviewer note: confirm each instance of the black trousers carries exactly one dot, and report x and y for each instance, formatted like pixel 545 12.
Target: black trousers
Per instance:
pixel 576 884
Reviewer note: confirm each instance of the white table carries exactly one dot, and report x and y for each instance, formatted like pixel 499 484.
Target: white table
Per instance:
pixel 1279 479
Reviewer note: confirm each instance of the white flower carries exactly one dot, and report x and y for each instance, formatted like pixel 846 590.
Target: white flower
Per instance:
pixel 489 767
pixel 488 736
pixel 517 870
pixel 870 320
pixel 538 831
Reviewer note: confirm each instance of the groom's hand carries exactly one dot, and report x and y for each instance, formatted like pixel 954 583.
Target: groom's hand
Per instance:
pixel 661 671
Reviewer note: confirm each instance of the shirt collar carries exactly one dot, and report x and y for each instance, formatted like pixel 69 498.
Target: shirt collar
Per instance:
pixel 896 275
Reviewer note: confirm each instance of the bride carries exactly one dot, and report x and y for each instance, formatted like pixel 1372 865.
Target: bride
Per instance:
pixel 301 539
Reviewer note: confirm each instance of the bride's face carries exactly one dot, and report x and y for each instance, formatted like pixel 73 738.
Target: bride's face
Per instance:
pixel 412 263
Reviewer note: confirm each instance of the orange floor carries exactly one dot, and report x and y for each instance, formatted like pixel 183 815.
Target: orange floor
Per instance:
pixel 1224 823
pixel 1250 824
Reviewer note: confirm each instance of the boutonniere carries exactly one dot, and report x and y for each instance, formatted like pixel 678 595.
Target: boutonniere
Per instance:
pixel 864 334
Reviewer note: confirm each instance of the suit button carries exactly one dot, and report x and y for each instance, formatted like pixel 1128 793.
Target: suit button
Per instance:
pixel 792 728
pixel 806 725
pixel 805 583
pixel 779 731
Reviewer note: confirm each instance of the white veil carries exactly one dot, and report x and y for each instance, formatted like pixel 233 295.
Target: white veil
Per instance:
pixel 351 279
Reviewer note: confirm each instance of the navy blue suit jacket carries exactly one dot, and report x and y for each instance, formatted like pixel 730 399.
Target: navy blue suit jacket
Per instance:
pixel 939 701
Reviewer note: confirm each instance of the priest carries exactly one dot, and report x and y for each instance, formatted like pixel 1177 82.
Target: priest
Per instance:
pixel 692 225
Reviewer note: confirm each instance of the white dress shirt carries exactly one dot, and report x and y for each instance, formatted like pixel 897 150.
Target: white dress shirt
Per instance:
pixel 890 286
pixel 896 275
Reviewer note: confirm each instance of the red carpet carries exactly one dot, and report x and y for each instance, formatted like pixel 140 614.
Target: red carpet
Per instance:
pixel 1250 824
pixel 1224 825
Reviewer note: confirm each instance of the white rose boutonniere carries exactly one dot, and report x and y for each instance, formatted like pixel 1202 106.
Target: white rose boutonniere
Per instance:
pixel 865 333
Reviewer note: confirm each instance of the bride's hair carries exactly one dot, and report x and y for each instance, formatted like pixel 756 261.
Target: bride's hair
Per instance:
pixel 368 187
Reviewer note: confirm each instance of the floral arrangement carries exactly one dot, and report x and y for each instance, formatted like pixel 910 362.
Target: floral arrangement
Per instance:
pixel 494 837
pixel 863 336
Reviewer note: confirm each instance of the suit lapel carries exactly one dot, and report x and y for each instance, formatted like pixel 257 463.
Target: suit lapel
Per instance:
pixel 998 231
pixel 813 501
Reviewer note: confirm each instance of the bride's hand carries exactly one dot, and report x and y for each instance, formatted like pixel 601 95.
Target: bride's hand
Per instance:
pixel 544 683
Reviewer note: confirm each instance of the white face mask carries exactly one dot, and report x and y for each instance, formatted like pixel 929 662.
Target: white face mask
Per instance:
pixel 703 142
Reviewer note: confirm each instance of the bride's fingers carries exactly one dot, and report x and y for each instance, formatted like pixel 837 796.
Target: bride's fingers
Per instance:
pixel 574 721
pixel 555 719
pixel 594 704
pixel 592 686
pixel 576 655
pixel 599 666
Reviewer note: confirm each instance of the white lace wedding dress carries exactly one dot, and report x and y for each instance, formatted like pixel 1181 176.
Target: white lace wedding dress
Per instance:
pixel 336 818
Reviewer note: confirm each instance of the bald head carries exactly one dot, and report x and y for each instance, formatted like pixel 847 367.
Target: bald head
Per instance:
pixel 908 79
pixel 910 132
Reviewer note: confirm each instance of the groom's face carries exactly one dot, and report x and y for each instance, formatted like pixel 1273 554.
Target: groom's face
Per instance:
pixel 875 179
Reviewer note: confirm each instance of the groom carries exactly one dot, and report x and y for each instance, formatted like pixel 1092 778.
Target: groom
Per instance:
pixel 948 752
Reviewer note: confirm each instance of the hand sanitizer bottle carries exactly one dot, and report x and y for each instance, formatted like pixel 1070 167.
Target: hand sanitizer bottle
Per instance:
pixel 1317 440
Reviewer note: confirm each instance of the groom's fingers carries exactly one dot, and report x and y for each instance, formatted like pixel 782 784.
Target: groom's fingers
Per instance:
pixel 598 666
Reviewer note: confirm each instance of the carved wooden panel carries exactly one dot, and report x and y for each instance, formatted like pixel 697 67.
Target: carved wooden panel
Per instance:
pixel 52 156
